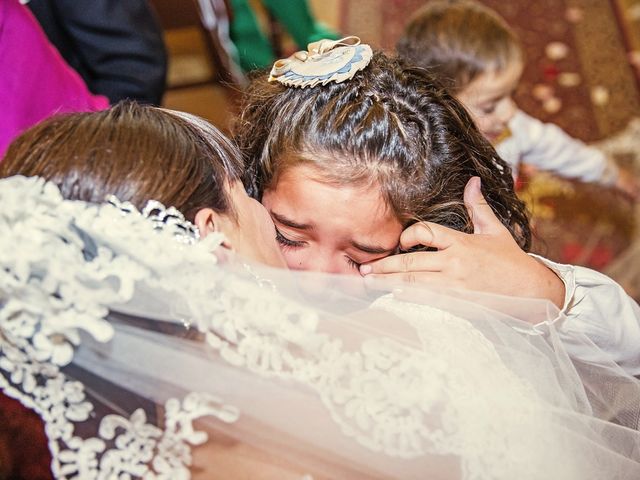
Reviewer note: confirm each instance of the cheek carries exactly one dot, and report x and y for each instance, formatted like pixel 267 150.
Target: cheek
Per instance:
pixel 483 121
pixel 314 259
pixel 263 233
pixel 260 217
pixel 296 259
pixel 489 127
pixel 264 219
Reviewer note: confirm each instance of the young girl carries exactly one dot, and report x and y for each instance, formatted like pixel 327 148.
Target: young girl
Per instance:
pixel 370 158
pixel 472 50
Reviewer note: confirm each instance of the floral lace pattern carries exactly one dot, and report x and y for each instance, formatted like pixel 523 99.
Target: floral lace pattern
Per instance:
pixel 43 307
pixel 379 391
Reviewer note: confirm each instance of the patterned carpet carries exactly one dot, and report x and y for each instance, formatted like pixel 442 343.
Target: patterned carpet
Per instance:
pixel 582 73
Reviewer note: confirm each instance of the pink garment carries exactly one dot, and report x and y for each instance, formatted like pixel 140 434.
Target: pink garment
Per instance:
pixel 35 82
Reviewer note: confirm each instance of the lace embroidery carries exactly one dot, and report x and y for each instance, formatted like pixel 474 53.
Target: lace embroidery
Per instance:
pixel 39 334
pixel 167 219
pixel 379 392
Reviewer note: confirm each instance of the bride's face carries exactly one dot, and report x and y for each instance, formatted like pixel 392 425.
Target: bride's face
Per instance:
pixel 252 235
pixel 328 228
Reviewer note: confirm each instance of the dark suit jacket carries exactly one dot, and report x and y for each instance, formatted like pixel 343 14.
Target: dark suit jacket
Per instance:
pixel 115 45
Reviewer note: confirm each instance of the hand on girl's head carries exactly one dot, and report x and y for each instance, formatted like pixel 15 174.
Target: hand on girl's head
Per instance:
pixel 488 260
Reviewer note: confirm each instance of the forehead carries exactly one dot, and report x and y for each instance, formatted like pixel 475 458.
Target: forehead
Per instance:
pixel 493 84
pixel 346 210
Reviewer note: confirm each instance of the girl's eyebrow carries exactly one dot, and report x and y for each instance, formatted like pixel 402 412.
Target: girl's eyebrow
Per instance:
pixel 373 249
pixel 290 223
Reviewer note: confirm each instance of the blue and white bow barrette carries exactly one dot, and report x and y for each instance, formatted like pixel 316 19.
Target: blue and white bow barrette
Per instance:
pixel 324 61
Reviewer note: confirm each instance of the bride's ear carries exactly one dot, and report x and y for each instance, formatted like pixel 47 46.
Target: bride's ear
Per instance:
pixel 207 221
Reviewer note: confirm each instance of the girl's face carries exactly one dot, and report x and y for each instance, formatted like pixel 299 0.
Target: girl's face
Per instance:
pixel 488 100
pixel 327 228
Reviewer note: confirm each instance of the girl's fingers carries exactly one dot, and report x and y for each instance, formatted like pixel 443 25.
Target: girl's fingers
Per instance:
pixel 483 217
pixel 414 278
pixel 429 235
pixel 405 263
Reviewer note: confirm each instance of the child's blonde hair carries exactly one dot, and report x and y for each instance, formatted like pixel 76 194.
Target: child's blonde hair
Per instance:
pixel 459 40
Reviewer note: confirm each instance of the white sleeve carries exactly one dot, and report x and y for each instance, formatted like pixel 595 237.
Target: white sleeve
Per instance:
pixel 550 148
pixel 509 151
pixel 600 309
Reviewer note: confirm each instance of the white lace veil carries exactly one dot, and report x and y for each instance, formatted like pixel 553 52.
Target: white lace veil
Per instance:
pixel 146 355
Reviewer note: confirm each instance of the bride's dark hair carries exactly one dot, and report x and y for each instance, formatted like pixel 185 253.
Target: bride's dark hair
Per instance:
pixel 391 124
pixel 134 152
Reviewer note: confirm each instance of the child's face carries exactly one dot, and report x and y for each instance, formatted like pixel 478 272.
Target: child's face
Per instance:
pixel 327 228
pixel 488 99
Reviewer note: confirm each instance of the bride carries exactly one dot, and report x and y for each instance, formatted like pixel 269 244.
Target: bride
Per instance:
pixel 135 342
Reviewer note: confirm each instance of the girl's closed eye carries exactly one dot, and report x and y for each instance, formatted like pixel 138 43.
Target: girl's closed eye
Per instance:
pixel 287 242
pixel 353 264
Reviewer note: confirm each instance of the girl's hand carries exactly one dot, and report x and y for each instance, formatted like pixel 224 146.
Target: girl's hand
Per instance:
pixel 488 260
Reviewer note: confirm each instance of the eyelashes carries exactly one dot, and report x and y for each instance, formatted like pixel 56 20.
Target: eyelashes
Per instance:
pixel 287 243
pixel 353 263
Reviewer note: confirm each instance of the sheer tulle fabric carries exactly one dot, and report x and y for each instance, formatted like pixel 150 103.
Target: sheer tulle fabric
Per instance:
pixel 148 355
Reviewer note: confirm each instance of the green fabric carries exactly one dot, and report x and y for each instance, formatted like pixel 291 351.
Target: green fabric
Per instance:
pixel 254 49
pixel 253 46
pixel 296 18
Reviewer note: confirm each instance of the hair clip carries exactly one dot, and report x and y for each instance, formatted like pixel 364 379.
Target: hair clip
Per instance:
pixel 324 61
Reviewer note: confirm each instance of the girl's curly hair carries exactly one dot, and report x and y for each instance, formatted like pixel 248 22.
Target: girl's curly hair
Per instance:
pixel 392 125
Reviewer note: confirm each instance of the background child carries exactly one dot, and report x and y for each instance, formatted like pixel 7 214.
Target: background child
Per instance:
pixel 475 54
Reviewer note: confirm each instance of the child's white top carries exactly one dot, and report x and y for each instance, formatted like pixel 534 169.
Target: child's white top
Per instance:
pixel 599 308
pixel 548 147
